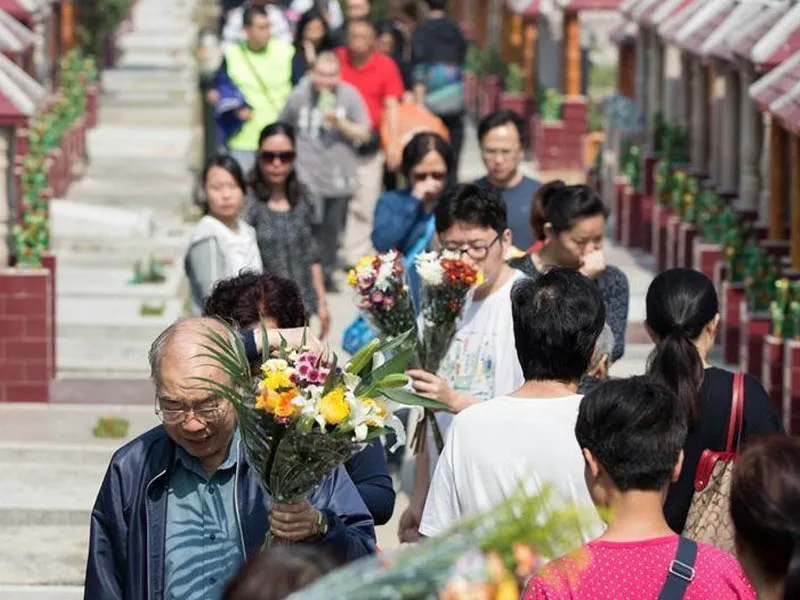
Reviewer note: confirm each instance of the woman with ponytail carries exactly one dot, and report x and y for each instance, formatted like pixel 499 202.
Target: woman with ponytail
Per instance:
pixel 765 508
pixel 570 221
pixel 682 320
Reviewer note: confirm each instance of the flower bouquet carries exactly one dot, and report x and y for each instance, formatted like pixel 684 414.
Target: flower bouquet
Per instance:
pixel 488 557
pixel 383 295
pixel 303 415
pixel 447 286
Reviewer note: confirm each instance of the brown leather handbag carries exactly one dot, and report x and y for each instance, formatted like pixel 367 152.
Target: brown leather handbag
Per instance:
pixel 709 518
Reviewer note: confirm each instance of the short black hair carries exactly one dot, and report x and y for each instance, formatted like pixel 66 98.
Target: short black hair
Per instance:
pixel 636 429
pixel 436 4
pixel 251 12
pixel 473 204
pixel 245 299
pixel 418 147
pixel 557 319
pixel 363 21
pixel 562 205
pixel 499 118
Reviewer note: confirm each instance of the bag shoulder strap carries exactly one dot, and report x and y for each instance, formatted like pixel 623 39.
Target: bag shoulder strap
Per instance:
pixel 254 71
pixel 681 571
pixel 736 421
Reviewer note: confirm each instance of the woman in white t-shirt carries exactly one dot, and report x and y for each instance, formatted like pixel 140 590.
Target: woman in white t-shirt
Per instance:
pixel 222 244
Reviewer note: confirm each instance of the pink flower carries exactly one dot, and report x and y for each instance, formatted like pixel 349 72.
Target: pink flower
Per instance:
pixel 313 375
pixel 303 369
pixel 377 297
pixel 388 303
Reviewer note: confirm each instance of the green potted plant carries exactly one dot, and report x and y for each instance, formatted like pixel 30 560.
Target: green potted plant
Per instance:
pixel 514 96
pixel 494 70
pixel 473 71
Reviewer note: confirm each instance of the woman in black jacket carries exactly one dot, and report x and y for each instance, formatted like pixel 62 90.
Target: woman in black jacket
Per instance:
pixel 312 37
pixel 682 320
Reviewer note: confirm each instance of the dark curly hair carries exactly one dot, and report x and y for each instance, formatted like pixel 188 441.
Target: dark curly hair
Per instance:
pixel 278 572
pixel 245 299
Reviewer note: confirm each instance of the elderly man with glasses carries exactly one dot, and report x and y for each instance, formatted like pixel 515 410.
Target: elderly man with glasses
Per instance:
pixel 180 509
pixel 482 360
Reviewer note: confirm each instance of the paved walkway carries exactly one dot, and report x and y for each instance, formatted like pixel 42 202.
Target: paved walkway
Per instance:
pixel 131 206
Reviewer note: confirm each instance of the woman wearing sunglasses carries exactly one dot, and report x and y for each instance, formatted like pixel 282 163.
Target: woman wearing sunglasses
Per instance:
pixel 404 218
pixel 282 215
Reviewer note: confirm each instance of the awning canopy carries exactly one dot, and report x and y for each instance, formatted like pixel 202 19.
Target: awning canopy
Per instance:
pixel 701 25
pixel 780 42
pixel 741 45
pixel 20 94
pixel 582 5
pixel 665 10
pixel 15 38
pixel 625 32
pixel 745 26
pixel 778 92
pixel 24 11
pixel 674 23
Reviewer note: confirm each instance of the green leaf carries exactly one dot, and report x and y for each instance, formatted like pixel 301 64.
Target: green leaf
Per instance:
pixel 331 379
pixel 397 364
pixel 410 399
pixel 264 343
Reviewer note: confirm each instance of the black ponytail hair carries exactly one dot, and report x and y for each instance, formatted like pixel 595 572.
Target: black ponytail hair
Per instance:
pixel 680 304
pixel 561 205
pixel 765 509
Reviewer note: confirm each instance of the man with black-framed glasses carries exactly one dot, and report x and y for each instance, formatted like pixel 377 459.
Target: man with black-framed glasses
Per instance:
pixel 180 508
pixel 482 361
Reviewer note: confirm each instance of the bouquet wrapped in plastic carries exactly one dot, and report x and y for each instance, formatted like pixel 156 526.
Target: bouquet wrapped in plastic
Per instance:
pixel 383 294
pixel 489 557
pixel 303 415
pixel 447 286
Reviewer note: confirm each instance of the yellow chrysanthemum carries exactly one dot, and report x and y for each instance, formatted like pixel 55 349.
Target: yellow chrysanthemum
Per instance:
pixel 278 403
pixel 278 380
pixel 352 280
pixel 479 279
pixel 507 590
pixel 334 407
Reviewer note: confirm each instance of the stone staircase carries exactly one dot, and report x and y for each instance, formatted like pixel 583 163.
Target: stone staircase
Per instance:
pixel 133 203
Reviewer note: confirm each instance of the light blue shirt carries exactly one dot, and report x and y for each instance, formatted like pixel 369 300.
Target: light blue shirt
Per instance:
pixel 203 548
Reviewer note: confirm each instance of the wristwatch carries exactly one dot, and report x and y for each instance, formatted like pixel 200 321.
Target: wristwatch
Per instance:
pixel 322 525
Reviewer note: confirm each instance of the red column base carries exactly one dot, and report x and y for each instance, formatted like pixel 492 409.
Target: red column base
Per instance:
pixel 687 238
pixel 791 387
pixel 733 295
pixel 754 328
pixel 706 257
pixel 772 370
pixel 27 332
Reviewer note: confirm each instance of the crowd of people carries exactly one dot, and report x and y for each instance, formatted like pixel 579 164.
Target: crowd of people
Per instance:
pixel 312 175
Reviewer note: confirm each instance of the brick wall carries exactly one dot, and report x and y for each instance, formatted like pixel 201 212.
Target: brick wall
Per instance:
pixel 27 334
pixel 562 145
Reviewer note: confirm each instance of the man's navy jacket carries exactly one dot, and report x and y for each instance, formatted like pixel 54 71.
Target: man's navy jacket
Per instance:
pixel 126 544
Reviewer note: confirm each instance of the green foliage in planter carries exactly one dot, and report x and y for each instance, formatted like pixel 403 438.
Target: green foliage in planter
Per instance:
pixel 97 19
pixel 676 144
pixel 550 105
pixel 152 273
pixel 493 63
pixel 111 428
pixel 785 309
pixel 31 237
pixel 690 193
pixel 677 188
pixel 662 181
pixel 474 60
pixel 760 274
pixel 659 133
pixel 630 165
pixel 152 310
pixel 514 82
pixel 595 118
pixel 712 215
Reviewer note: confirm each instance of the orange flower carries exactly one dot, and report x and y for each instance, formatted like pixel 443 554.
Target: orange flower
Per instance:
pixel 278 403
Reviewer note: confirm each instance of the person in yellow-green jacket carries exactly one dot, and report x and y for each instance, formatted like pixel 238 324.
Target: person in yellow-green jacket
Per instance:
pixel 251 86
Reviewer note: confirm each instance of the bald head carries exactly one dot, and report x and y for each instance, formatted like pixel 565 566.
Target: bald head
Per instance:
pixel 183 341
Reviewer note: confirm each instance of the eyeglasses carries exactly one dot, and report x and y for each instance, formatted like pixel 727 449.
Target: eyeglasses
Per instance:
pixel 436 176
pixel 207 412
pixel 269 157
pixel 504 153
pixel 475 251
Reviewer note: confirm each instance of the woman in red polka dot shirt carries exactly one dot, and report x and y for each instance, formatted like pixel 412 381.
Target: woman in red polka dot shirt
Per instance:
pixel 632 433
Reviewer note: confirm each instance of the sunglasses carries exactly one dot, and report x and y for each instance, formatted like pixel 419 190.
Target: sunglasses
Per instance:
pixel 436 175
pixel 270 157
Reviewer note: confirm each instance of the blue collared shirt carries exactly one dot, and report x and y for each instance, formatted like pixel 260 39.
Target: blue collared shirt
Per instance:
pixel 203 546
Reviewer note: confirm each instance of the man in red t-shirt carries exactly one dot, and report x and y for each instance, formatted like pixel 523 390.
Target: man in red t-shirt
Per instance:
pixel 378 80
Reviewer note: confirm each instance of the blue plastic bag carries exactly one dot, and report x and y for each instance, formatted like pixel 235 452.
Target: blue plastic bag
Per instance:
pixel 357 335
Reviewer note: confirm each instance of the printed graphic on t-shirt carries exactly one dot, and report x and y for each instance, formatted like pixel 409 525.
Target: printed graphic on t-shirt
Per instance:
pixel 469 364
